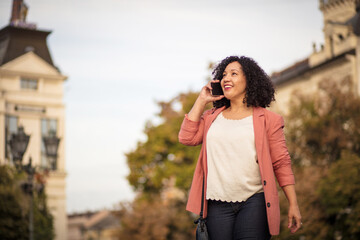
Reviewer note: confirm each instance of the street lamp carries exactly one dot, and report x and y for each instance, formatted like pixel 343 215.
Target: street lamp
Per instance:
pixel 51 146
pixel 18 144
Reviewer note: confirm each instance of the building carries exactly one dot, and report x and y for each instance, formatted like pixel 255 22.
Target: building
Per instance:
pixel 31 96
pixel 102 225
pixel 338 58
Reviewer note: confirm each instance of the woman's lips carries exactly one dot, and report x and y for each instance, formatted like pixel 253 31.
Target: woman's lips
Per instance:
pixel 227 87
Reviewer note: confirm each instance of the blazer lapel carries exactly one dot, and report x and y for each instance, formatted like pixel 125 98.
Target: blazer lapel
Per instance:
pixel 212 117
pixel 259 130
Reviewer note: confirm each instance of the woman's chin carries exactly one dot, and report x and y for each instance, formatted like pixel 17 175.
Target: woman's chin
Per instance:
pixel 228 96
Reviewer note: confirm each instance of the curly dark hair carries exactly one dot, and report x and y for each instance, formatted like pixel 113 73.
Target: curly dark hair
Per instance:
pixel 259 88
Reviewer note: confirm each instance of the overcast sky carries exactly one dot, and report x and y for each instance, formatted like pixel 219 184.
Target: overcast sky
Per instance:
pixel 121 56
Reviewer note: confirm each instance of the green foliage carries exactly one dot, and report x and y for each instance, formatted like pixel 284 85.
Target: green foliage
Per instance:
pixel 323 137
pixel 340 195
pixel 162 157
pixel 13 223
pixel 14 209
pixel 322 125
pixel 43 220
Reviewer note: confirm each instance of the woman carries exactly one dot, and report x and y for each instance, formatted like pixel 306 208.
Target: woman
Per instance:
pixel 243 150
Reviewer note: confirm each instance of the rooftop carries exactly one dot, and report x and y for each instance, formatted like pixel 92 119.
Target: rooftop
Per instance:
pixel 16 41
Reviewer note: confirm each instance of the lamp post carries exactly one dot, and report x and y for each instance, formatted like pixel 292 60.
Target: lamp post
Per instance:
pixel 29 189
pixel 18 144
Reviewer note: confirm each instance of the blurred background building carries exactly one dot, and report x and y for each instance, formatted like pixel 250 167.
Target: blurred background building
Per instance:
pixel 102 224
pixel 31 96
pixel 338 58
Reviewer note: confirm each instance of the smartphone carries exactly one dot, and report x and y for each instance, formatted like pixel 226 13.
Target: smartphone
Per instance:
pixel 216 89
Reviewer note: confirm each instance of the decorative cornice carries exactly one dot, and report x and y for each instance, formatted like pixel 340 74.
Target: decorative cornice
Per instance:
pixel 7 72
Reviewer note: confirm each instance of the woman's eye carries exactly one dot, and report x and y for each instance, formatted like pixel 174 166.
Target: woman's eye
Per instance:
pixel 233 73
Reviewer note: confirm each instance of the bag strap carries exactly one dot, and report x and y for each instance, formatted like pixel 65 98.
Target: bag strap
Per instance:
pixel 202 199
pixel 202 204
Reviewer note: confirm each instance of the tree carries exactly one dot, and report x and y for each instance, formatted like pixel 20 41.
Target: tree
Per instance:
pixel 161 157
pixel 14 209
pixel 161 171
pixel 322 125
pixel 155 220
pixel 13 223
pixel 43 220
pixel 340 196
pixel 323 138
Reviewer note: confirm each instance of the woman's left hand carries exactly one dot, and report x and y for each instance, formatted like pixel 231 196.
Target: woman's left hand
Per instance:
pixel 294 218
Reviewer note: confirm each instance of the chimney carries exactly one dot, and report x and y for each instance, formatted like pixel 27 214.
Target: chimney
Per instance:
pixel 19 11
pixel 18 15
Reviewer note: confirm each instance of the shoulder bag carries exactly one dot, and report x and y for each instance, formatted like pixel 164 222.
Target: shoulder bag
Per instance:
pixel 201 230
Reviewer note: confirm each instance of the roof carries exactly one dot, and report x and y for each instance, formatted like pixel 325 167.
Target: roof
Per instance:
pixel 15 41
pixel 302 67
pixel 103 219
pixel 290 72
pixel 87 214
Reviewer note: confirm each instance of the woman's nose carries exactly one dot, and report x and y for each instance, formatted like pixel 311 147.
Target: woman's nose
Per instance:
pixel 225 78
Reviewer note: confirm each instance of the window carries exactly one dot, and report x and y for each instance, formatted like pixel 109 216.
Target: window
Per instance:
pixel 11 126
pixel 28 83
pixel 48 128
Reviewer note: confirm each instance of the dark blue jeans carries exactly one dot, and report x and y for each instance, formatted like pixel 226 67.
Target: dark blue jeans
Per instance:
pixel 240 220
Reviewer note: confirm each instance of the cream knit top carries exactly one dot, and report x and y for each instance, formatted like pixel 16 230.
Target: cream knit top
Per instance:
pixel 233 173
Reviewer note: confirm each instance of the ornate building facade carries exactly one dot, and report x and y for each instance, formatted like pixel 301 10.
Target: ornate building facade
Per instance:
pixel 338 58
pixel 31 96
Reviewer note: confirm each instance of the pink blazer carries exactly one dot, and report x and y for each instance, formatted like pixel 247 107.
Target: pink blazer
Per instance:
pixel 272 153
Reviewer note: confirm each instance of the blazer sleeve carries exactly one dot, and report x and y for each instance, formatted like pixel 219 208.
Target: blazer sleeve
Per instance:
pixel 279 153
pixel 191 132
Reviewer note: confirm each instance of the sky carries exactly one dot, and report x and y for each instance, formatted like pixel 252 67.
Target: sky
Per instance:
pixel 122 56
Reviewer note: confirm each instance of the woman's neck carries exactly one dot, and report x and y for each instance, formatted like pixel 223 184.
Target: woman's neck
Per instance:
pixel 237 111
pixel 238 106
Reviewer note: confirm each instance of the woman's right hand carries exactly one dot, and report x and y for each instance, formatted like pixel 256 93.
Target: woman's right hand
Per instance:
pixel 205 95
pixel 204 98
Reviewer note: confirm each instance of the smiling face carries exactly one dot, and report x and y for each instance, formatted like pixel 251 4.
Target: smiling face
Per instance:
pixel 233 82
